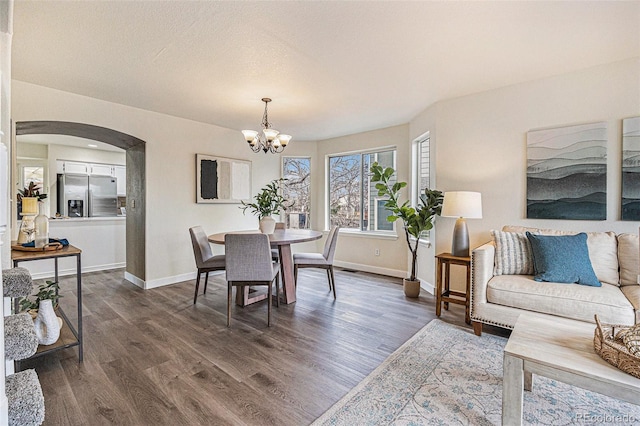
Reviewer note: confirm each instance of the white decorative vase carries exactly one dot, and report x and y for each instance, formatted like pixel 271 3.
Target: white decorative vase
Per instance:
pixel 46 324
pixel 267 225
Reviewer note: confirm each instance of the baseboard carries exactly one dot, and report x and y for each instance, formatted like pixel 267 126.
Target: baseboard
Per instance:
pixel 72 271
pixel 134 280
pixel 428 287
pixel 160 282
pixel 373 269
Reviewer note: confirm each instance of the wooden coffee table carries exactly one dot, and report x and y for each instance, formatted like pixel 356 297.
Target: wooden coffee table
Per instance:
pixel 562 350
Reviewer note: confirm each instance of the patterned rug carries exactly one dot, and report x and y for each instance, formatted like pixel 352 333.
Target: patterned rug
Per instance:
pixel 445 375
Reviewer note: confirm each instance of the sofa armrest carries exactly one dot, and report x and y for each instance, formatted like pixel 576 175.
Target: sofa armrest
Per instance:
pixel 482 259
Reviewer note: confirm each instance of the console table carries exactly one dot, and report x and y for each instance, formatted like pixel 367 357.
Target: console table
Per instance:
pixel 69 335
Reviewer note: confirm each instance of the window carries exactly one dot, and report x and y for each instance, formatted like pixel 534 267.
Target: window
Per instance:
pixel 297 189
pixel 353 199
pixel 422 170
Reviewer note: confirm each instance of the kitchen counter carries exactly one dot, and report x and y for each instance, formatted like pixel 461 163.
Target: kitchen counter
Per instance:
pixel 84 219
pixel 101 239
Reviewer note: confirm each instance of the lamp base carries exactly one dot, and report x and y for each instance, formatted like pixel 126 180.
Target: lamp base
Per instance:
pixel 460 242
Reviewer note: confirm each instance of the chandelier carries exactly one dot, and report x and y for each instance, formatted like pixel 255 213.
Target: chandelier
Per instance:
pixel 269 140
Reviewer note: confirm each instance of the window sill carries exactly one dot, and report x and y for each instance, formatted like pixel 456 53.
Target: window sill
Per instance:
pixel 369 234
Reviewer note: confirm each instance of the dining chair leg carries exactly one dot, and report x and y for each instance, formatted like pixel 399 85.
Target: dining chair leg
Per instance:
pixel 228 304
pixel 206 281
pixel 195 296
pixel 329 279
pixel 278 290
pixel 269 293
pixel 295 275
pixel 333 282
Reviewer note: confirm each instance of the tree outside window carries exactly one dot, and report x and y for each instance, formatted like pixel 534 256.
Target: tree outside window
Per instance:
pixel 297 189
pixel 353 201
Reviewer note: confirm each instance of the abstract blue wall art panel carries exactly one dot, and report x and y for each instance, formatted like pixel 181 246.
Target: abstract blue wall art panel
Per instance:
pixel 567 172
pixel 631 168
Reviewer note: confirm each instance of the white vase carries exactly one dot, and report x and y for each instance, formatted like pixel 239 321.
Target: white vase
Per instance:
pixel 46 324
pixel 267 225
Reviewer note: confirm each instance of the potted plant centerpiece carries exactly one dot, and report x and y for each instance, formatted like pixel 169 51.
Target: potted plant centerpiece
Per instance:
pixel 42 310
pixel 416 220
pixel 269 201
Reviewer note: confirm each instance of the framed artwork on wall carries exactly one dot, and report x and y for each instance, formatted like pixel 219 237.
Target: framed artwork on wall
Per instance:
pixel 567 172
pixel 222 180
pixel 631 168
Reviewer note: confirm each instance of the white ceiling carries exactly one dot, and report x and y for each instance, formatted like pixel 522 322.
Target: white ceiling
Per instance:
pixel 332 68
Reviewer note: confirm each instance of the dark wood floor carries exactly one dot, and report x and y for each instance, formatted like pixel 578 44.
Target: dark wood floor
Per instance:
pixel 154 358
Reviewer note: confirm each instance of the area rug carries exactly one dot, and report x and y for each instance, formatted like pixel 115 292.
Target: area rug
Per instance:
pixel 445 375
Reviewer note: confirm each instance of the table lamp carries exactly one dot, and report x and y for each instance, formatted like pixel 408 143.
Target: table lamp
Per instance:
pixel 461 204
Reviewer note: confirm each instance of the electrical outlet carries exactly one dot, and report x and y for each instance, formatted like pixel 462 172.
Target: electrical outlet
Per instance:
pixel 133 204
pixel 377 252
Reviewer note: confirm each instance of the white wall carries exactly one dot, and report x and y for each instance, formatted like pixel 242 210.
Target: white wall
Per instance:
pixel 171 145
pixel 480 143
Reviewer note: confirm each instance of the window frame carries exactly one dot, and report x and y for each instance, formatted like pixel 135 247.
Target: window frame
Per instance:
pixel 358 231
pixel 283 217
pixel 416 162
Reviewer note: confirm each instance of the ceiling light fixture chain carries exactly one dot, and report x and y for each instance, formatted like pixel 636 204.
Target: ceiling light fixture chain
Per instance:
pixel 269 140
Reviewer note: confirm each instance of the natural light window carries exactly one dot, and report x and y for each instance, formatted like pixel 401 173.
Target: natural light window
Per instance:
pixel 422 172
pixel 353 200
pixel 297 189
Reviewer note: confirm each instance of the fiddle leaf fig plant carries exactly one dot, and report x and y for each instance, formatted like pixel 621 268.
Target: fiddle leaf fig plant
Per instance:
pixel 416 220
pixel 269 200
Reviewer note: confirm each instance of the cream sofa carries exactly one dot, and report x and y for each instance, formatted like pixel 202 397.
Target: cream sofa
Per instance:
pixel 499 299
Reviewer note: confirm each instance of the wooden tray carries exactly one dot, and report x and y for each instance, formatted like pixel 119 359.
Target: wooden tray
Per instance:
pixel 48 247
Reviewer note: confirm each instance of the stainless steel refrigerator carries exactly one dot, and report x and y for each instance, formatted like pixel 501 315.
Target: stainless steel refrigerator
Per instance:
pixel 103 196
pixel 87 196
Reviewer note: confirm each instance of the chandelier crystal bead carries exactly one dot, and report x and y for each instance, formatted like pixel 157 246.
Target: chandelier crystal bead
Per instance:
pixel 269 140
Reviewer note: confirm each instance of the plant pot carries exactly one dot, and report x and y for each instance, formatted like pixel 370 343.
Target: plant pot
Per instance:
pixel 411 288
pixel 267 225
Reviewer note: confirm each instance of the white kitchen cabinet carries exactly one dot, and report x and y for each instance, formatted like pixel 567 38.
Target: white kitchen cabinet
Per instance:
pixel 120 173
pixel 76 168
pixel 101 169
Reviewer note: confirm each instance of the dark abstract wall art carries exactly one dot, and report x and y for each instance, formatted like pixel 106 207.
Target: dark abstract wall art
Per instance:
pixel 567 172
pixel 631 168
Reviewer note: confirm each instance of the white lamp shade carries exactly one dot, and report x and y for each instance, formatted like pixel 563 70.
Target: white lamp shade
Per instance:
pixel 270 134
pixel 249 135
pixel 462 204
pixel 284 139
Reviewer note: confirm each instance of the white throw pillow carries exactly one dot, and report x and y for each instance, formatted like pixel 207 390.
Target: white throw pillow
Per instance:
pixel 513 254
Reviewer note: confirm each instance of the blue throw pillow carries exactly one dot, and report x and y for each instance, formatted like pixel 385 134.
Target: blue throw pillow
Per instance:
pixel 562 259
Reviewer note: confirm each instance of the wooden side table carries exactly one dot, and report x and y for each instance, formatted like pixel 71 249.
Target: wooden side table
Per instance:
pixel 443 270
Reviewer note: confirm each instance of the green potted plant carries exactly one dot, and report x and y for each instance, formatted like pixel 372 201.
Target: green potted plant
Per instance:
pixel 416 220
pixel 48 291
pixel 269 201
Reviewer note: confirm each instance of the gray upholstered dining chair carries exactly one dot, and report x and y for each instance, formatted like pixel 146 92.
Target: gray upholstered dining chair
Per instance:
pixel 275 255
pixel 205 260
pixel 317 260
pixel 249 263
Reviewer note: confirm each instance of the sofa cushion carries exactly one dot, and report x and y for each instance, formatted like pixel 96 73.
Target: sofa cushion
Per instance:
pixel 628 252
pixel 513 254
pixel 562 259
pixel 574 301
pixel 603 250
